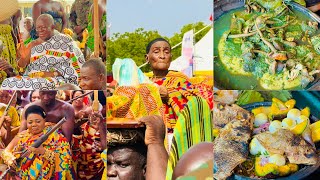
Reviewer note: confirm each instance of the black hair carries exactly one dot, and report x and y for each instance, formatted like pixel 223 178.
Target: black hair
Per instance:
pixel 154 41
pixel 35 109
pixel 139 147
pixel 31 92
pixel 97 65
pixel 73 92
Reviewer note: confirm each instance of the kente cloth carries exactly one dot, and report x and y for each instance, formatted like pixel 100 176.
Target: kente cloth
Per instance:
pixel 102 27
pixel 57 17
pixel 104 159
pixel 39 167
pixel 134 102
pixel 90 164
pixel 180 90
pixel 59 54
pixel 194 125
pixel 12 113
pixel 9 48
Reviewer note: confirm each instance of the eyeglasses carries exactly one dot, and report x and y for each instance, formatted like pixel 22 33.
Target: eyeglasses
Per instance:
pixel 39 28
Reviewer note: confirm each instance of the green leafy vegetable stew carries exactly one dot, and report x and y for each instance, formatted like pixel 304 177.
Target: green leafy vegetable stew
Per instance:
pixel 266 45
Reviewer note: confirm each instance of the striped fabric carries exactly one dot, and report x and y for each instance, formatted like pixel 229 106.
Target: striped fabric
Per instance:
pixel 194 125
pixel 180 90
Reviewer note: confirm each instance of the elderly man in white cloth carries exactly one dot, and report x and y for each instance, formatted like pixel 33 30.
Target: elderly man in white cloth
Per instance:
pixel 50 61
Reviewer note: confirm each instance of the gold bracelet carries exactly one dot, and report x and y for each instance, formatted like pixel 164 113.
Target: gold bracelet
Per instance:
pixel 49 155
pixel 7 157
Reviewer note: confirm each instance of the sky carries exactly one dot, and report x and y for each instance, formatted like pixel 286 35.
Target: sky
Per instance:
pixel 165 16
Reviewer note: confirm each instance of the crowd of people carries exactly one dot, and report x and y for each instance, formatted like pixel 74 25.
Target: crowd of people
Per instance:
pixel 73 151
pixel 51 48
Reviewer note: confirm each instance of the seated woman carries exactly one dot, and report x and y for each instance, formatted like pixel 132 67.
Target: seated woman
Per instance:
pixel 52 160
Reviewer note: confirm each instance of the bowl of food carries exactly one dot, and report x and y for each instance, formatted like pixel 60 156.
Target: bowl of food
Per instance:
pixel 265 45
pixel 267 140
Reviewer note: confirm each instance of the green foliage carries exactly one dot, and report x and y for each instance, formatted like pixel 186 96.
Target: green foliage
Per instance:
pixel 133 44
pixel 177 37
pixel 130 45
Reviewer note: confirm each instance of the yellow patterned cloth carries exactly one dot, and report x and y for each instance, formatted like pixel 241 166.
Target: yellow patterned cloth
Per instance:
pixel 9 48
pixel 134 102
pixel 39 166
pixel 104 159
pixel 12 113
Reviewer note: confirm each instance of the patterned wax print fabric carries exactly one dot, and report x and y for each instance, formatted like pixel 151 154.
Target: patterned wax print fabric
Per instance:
pixel 41 167
pixel 133 102
pixel 102 27
pixel 180 90
pixel 9 48
pixel 60 54
pixel 194 125
pixel 90 164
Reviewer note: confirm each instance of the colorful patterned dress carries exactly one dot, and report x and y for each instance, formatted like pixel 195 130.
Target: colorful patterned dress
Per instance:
pixel 90 164
pixel 9 49
pixel 38 166
pixel 58 54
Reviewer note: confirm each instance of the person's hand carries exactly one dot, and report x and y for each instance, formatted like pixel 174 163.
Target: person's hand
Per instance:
pixel 24 52
pixel 163 91
pixel 81 114
pixel 78 30
pixel 4 65
pixel 7 121
pixel 95 119
pixel 97 145
pixel 12 163
pixel 155 129
pixel 39 150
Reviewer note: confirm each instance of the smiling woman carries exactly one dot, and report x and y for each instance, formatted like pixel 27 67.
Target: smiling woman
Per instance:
pixel 51 160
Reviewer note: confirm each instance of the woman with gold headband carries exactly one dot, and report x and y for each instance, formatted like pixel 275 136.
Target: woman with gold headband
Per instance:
pixel 52 160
